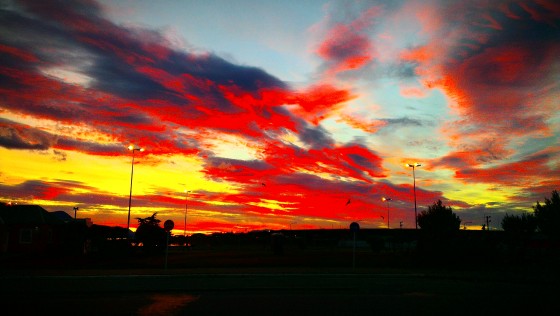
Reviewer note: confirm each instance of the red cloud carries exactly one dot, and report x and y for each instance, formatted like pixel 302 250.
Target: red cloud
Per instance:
pixel 498 69
pixel 549 15
pixel 360 158
pixel 318 102
pixel 483 151
pixel 349 51
pixel 530 172
pixel 287 165
pixel 494 90
pixel 347 161
pixel 493 67
pixel 16 52
pixel 50 192
pixel 347 46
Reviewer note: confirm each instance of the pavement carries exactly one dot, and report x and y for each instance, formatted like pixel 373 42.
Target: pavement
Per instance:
pixel 272 293
pixel 208 285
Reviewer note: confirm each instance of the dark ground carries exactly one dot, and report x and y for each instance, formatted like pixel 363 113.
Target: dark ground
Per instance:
pixel 250 281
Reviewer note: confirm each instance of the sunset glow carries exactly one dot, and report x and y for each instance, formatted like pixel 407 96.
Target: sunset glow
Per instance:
pixel 274 115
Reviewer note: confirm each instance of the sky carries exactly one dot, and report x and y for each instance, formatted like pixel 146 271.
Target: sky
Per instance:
pixel 279 114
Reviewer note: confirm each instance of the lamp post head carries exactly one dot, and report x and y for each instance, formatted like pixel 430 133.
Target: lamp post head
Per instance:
pixel 133 148
pixel 413 165
pixel 384 199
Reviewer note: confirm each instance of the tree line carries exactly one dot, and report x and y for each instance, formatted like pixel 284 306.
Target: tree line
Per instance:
pixel 440 220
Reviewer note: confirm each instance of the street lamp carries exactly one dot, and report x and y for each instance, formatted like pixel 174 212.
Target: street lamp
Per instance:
pixel 186 208
pixel 387 200
pixel 133 149
pixel 414 165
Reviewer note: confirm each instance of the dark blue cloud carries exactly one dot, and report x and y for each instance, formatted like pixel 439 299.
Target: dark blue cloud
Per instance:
pixel 109 54
pixel 316 137
pixel 19 136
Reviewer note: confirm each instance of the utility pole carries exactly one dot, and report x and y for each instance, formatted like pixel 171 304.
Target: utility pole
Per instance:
pixel 488 221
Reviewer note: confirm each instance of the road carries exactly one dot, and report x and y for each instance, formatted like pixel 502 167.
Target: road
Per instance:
pixel 273 294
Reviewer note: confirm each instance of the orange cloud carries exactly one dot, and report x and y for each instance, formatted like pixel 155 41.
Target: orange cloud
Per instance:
pixel 369 127
pixel 412 92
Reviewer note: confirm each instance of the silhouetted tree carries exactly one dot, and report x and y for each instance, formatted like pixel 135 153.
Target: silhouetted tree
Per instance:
pixel 439 219
pixel 150 234
pixel 439 227
pixel 518 231
pixel 151 220
pixel 548 216
pixel 518 225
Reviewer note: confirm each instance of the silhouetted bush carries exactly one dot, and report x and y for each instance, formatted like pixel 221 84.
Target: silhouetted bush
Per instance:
pixel 518 225
pixel 548 216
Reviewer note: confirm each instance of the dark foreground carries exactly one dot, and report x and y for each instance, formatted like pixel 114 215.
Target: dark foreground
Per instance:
pixel 259 283
pixel 275 294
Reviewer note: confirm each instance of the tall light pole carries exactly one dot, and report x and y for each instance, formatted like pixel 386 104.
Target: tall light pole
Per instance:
pixel 186 209
pixel 413 166
pixel 387 201
pixel 133 149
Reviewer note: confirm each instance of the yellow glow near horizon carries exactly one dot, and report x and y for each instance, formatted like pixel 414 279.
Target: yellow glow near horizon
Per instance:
pixel 479 194
pixel 105 174
pixel 71 166
pixel 173 174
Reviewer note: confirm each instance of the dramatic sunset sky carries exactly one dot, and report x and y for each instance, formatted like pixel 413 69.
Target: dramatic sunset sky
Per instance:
pixel 275 114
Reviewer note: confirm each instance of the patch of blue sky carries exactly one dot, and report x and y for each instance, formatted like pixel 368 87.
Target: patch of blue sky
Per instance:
pixel 250 32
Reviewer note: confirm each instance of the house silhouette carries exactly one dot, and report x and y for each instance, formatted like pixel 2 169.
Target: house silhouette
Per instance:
pixel 33 230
